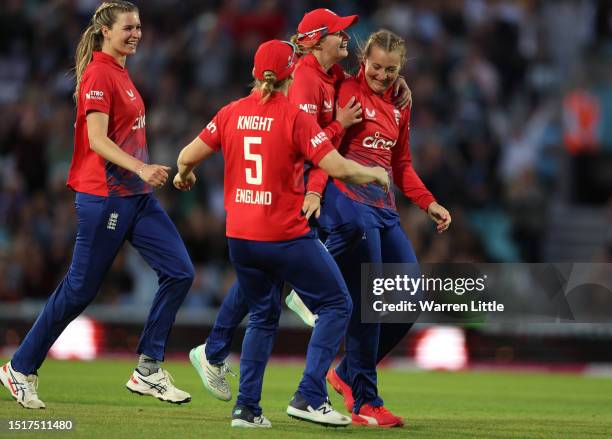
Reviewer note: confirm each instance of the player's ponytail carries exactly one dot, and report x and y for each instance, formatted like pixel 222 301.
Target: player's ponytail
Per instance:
pixel 92 38
pixel 269 85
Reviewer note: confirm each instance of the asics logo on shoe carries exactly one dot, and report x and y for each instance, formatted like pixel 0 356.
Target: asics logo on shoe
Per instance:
pixel 16 386
pixel 159 387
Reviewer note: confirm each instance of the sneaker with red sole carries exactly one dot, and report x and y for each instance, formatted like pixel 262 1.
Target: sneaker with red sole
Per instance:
pixel 376 417
pixel 342 388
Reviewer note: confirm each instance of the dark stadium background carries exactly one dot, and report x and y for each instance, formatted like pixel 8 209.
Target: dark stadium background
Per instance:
pixel 511 130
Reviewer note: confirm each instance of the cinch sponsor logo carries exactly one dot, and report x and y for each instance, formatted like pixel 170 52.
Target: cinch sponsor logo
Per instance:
pixel 140 122
pixel 378 142
pixel 95 94
pixel 318 139
pixel 308 108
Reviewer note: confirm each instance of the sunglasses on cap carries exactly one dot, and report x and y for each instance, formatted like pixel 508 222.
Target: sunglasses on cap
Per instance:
pixel 293 54
pixel 323 31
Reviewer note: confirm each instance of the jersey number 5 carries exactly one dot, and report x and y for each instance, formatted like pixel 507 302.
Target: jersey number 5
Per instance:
pixel 248 155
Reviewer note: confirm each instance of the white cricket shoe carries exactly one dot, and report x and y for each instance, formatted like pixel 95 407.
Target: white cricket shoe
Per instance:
pixel 324 414
pixel 212 375
pixel 22 387
pixel 159 384
pixel 243 417
pixel 295 304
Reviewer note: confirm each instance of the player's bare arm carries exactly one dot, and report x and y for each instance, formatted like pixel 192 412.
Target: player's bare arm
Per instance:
pixel 189 157
pixel 97 129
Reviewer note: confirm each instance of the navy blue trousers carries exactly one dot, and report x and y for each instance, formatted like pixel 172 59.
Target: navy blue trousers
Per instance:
pixel 351 218
pixel 366 344
pixel 340 227
pixel 104 224
pixel 262 268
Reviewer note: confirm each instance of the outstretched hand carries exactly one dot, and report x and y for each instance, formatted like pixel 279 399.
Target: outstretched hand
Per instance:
pixel 186 183
pixel 440 216
pixel 155 175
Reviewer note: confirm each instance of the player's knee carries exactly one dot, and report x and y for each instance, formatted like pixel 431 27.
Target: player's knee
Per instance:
pixel 185 272
pixel 265 322
pixel 345 305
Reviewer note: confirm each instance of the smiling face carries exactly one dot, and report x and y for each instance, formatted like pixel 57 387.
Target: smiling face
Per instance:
pixel 334 47
pixel 382 68
pixel 122 38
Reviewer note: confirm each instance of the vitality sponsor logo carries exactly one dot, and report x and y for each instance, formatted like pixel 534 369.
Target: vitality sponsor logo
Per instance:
pixel 318 139
pixel 95 95
pixel 377 141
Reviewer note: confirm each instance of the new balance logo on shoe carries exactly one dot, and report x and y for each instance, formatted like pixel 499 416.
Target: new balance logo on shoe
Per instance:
pixel 325 414
pixel 325 409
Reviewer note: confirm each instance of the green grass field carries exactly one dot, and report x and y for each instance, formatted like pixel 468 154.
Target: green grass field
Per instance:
pixel 435 405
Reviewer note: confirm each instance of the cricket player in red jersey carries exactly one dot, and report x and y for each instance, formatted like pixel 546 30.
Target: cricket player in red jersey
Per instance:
pixel 323 42
pixel 114 203
pixel 382 139
pixel 265 140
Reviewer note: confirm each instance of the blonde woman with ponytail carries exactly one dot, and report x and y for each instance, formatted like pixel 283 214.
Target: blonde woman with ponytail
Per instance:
pixel 113 182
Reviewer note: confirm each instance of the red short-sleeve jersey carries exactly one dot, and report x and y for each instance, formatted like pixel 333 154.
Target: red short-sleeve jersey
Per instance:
pixel 264 146
pixel 106 87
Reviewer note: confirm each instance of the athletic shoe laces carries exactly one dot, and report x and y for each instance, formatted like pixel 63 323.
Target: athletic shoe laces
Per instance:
pixel 169 379
pixel 224 369
pixel 32 385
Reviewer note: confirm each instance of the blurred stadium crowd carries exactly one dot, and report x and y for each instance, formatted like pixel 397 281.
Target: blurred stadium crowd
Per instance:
pixel 488 79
